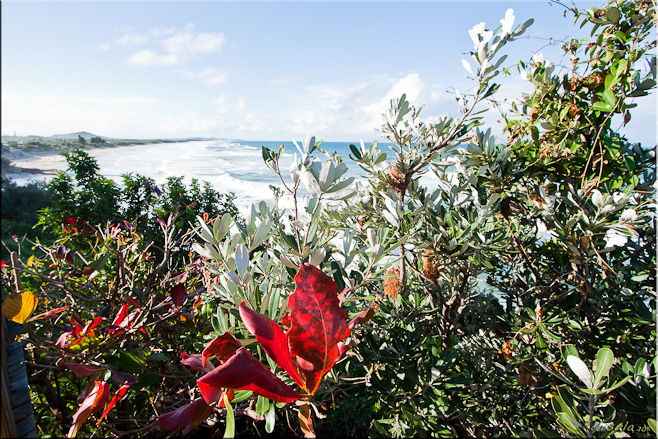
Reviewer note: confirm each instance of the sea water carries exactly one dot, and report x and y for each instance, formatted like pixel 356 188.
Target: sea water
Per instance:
pixel 230 166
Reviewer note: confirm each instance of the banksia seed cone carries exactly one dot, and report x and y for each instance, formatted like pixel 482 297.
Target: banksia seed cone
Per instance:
pixel 430 269
pixel 392 285
pixel 398 180
pixel 507 350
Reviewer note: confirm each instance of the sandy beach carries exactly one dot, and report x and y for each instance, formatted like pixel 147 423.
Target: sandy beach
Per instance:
pixel 30 165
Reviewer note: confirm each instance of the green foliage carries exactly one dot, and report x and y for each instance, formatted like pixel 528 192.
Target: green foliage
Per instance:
pixel 20 206
pixel 513 296
pixel 86 198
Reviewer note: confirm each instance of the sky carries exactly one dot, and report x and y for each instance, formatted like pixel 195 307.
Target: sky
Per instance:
pixel 255 70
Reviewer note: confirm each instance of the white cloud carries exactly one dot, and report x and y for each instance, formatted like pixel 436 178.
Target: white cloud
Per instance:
pixel 208 75
pixel 187 43
pixel 172 46
pixel 132 40
pixel 241 105
pixel 148 58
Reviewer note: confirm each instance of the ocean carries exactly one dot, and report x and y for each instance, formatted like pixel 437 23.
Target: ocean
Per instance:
pixel 229 165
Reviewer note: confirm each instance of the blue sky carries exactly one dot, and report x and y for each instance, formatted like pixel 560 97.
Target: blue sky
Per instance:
pixel 252 71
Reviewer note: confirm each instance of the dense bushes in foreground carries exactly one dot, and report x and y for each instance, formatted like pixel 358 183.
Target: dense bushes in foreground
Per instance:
pixel 516 297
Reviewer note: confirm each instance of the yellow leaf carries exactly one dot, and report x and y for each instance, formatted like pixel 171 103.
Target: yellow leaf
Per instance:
pixel 19 307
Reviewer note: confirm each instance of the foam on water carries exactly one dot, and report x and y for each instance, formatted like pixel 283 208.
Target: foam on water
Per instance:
pixel 228 165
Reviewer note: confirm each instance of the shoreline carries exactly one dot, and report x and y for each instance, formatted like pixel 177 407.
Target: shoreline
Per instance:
pixel 39 165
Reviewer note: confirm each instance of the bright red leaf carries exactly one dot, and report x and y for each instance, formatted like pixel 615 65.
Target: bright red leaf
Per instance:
pixel 222 347
pixel 273 340
pixel 123 320
pixel 317 324
pixel 115 398
pixel 92 403
pixel 244 372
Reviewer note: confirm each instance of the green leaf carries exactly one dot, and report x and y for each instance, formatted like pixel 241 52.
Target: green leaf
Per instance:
pixel 613 15
pixel 618 384
pixel 580 369
pixel 129 362
pixel 158 356
pixel 609 97
pixel 652 425
pixel 262 405
pixel 602 106
pixel 95 267
pixel 356 152
pixel 221 227
pixel 242 395
pixel 270 419
pixel 230 419
pixel 604 359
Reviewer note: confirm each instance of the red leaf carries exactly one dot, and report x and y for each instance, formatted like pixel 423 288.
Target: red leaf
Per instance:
pixel 121 315
pixel 362 317
pixel 82 370
pixel 47 314
pixel 189 416
pixel 194 361
pixel 178 294
pixel 317 324
pixel 244 372
pixel 115 398
pixel 77 321
pixel 61 341
pixel 134 302
pixel 92 403
pixel 223 347
pixel 342 350
pixel 272 339
pixel 124 323
pixel 197 301
pixel 91 325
